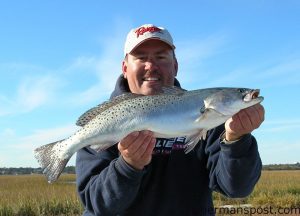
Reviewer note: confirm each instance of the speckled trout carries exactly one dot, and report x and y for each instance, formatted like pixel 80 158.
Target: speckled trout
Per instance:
pixel 173 113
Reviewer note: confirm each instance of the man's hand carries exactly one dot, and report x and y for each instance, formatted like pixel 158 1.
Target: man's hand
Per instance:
pixel 244 122
pixel 137 147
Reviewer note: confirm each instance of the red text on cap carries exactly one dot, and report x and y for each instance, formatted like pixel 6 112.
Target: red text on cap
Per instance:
pixel 142 30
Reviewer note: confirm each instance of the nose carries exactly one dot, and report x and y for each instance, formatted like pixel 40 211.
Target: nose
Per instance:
pixel 151 64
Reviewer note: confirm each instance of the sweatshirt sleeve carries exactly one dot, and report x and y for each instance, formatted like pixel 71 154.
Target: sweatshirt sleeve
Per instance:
pixel 235 168
pixel 105 182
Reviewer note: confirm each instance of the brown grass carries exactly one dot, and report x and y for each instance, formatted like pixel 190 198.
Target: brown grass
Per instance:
pixel 32 195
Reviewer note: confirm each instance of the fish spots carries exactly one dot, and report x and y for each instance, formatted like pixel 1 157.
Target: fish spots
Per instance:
pixel 121 112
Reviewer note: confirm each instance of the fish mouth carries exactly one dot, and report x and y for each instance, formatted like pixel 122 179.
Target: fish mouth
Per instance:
pixel 252 95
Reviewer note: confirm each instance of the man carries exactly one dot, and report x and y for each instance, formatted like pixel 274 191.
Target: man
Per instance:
pixel 142 175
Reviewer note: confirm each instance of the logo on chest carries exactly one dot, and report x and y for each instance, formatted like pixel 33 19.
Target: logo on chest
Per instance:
pixel 166 146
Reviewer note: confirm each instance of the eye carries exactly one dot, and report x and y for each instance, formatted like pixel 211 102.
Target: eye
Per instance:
pixel 141 58
pixel 161 57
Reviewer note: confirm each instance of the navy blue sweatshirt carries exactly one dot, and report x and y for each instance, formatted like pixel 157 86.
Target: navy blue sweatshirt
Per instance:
pixel 174 183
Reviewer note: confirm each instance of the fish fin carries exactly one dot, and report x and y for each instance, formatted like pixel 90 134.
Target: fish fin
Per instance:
pixel 93 112
pixel 204 112
pixel 193 140
pixel 96 147
pixel 50 161
pixel 89 115
pixel 101 147
pixel 207 113
pixel 200 118
pixel 173 90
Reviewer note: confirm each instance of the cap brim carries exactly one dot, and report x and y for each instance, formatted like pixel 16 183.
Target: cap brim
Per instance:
pixel 153 38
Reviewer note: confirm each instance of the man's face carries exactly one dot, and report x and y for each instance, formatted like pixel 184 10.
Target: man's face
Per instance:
pixel 149 67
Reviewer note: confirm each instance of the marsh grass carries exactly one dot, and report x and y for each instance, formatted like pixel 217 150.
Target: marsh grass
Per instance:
pixel 31 195
pixel 275 188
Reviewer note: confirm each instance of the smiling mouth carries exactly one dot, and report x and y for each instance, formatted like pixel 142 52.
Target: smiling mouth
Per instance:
pixel 151 79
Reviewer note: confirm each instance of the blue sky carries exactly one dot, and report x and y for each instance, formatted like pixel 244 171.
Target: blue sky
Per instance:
pixel 60 58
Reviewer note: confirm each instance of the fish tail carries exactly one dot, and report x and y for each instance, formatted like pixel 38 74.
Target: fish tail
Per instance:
pixel 49 159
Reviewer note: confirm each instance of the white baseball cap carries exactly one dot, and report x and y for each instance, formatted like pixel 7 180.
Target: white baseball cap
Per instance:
pixel 146 32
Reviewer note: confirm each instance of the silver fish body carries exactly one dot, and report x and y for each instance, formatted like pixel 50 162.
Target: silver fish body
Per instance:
pixel 173 113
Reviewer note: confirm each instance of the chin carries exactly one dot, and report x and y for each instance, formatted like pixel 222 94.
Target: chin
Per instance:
pixel 152 91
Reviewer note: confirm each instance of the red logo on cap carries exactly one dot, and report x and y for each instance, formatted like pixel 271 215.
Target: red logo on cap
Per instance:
pixel 142 30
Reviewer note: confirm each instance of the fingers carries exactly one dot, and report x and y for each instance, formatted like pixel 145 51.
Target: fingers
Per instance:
pixel 125 142
pixel 255 115
pixel 132 141
pixel 248 118
pixel 148 148
pixel 261 112
pixel 244 122
pixel 137 147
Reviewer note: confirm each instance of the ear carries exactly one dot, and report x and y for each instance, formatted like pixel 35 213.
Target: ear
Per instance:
pixel 124 68
pixel 175 67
